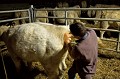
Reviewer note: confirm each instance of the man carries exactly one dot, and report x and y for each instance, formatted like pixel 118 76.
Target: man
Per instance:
pixel 84 51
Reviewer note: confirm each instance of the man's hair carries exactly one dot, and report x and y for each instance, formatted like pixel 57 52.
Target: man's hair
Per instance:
pixel 78 29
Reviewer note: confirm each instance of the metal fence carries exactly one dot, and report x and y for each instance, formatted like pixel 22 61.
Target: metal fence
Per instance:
pixel 31 18
pixel 29 11
pixel 96 19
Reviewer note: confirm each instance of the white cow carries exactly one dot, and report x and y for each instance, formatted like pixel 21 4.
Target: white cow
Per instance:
pixel 41 13
pixel 38 41
pixel 70 14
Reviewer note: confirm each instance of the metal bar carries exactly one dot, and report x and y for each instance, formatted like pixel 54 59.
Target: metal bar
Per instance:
pixel 109 40
pixel 66 22
pixel 13 19
pixel 13 11
pixel 118 45
pixel 32 13
pixel 62 9
pixel 29 15
pixel 109 49
pixel 111 30
pixel 97 19
pixel 6 76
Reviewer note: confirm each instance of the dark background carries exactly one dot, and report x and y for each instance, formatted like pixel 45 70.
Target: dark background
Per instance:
pixel 53 2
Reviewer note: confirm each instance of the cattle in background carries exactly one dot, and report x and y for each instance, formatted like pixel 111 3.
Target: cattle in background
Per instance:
pixel 38 13
pixel 59 4
pixel 105 14
pixel 37 41
pixel 9 14
pixel 65 4
pixel 41 13
pixel 83 5
pixel 21 14
pixel 62 4
pixel 70 14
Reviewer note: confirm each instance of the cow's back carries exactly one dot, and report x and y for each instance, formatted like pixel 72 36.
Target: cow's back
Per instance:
pixel 36 39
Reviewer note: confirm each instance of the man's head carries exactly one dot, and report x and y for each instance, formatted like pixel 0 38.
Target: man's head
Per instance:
pixel 78 29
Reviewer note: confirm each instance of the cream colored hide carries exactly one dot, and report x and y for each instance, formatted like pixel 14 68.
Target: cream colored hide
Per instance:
pixel 70 14
pixel 105 14
pixel 41 13
pixel 41 42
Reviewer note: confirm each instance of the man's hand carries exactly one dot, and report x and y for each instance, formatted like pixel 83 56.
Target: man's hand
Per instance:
pixel 67 37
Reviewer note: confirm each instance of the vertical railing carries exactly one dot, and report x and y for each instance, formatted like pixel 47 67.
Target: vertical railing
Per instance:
pixel 66 22
pixel 31 13
pixel 118 41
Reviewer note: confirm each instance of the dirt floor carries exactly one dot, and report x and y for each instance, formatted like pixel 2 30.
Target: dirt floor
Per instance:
pixel 108 66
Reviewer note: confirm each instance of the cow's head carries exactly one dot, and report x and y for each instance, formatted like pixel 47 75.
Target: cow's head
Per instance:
pixel 91 13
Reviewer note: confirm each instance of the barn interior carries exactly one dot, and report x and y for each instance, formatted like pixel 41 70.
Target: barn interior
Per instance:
pixel 53 3
pixel 108 67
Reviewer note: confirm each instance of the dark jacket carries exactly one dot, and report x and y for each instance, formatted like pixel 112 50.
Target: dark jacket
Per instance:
pixel 86 51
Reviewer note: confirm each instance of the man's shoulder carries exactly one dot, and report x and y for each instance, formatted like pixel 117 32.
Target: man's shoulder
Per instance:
pixel 91 31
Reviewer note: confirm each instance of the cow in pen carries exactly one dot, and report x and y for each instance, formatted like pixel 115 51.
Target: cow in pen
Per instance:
pixel 41 42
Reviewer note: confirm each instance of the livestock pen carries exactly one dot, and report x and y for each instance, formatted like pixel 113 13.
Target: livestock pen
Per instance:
pixel 91 26
pixel 113 43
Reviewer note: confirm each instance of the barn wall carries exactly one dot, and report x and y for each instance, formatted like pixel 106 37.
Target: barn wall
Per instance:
pixel 14 6
pixel 53 2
